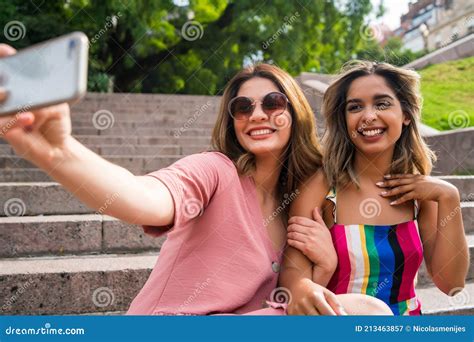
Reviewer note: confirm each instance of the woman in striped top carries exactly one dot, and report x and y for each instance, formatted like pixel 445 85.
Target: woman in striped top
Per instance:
pixel 377 166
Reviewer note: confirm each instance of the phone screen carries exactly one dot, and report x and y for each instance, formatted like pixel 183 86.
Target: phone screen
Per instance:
pixel 48 73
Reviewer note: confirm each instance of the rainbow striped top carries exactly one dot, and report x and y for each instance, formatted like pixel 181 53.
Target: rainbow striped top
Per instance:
pixel 380 261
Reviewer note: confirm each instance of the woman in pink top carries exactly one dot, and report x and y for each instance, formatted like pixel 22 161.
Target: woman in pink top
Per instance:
pixel 225 212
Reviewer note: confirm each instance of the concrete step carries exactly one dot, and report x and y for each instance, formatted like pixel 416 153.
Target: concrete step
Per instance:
pixel 71 234
pixel 37 175
pixel 91 140
pixel 465 185
pixel 130 149
pixel 117 150
pixel 154 120
pixel 435 302
pixel 106 284
pixel 24 175
pixel 32 195
pixel 135 162
pixel 133 104
pixel 72 284
pixel 424 279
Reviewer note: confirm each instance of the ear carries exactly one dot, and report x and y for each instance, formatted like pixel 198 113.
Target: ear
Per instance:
pixel 406 120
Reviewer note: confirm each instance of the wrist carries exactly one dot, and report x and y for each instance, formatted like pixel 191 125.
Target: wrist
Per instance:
pixel 67 151
pixel 325 269
pixel 329 265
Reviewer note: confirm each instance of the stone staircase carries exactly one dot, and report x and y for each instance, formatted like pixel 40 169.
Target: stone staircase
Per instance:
pixel 59 257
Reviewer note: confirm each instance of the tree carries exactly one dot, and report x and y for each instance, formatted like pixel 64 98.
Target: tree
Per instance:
pixel 195 46
pixel 393 52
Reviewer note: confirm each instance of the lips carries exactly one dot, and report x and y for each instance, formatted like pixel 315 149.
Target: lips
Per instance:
pixel 260 131
pixel 371 131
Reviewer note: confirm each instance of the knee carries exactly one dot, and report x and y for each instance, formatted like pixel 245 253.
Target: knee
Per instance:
pixel 359 304
pixel 375 306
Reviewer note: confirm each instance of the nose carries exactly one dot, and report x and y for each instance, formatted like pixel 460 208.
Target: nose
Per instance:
pixel 258 114
pixel 370 115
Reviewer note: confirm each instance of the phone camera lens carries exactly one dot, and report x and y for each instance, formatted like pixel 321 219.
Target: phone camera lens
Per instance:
pixel 72 46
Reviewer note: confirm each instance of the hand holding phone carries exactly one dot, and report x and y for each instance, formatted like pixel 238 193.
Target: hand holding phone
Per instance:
pixel 44 74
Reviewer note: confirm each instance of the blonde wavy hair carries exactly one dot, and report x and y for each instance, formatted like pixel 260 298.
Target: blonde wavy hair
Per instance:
pixel 302 156
pixel 411 153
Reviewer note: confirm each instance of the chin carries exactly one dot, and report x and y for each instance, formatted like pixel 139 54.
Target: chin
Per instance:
pixel 263 150
pixel 369 150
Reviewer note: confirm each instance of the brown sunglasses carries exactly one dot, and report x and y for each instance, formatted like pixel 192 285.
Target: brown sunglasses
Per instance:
pixel 273 104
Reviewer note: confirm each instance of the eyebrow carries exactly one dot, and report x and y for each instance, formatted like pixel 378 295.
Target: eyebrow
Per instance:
pixel 376 97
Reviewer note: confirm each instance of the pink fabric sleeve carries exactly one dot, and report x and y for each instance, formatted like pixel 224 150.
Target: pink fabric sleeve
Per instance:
pixel 192 181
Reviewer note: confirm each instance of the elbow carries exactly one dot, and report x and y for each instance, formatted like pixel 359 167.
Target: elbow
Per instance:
pixel 450 280
pixel 450 287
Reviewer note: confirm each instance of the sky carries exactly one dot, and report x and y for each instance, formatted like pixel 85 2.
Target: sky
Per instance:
pixel 394 10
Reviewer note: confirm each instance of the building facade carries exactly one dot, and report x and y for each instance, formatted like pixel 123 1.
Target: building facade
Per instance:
pixel 432 24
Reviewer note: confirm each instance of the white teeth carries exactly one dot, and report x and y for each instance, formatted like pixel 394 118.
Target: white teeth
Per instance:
pixel 372 132
pixel 261 132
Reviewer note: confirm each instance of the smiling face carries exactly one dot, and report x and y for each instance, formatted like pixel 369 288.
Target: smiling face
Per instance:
pixel 374 115
pixel 261 134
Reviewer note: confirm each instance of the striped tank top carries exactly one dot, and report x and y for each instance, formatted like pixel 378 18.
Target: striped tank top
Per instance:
pixel 377 260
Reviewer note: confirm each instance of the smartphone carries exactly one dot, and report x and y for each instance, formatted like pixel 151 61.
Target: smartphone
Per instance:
pixel 48 73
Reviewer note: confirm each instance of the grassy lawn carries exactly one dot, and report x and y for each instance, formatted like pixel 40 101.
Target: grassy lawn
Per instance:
pixel 448 92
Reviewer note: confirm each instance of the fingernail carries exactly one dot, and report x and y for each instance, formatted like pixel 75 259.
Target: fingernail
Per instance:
pixel 379 183
pixel 344 312
pixel 3 94
pixel 383 193
pixel 387 176
pixel 394 202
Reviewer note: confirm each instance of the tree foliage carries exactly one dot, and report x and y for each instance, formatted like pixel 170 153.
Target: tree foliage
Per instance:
pixel 195 46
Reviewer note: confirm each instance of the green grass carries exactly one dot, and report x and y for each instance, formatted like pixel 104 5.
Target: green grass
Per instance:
pixel 448 94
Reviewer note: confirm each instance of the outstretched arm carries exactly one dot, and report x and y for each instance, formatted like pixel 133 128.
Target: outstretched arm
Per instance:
pixel 44 138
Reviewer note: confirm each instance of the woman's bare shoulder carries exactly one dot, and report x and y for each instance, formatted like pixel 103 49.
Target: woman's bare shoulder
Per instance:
pixel 317 183
pixel 310 194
